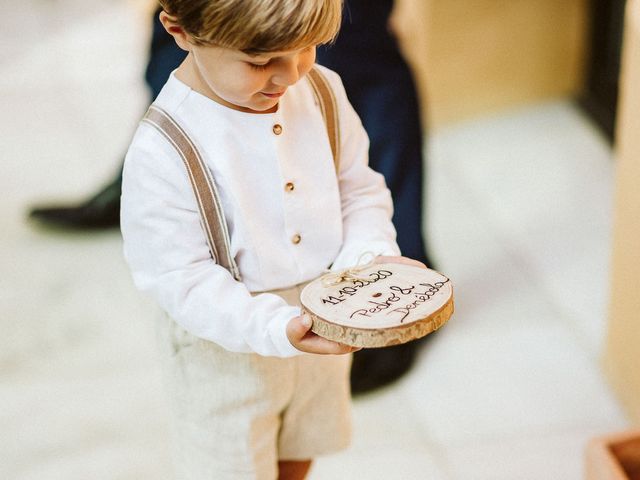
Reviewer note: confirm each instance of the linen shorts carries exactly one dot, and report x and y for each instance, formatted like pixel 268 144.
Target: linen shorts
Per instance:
pixel 235 415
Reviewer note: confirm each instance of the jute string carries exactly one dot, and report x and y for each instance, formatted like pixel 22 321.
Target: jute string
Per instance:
pixel 349 274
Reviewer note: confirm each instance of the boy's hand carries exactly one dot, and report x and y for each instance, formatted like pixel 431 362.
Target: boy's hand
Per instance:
pixel 402 260
pixel 299 328
pixel 301 337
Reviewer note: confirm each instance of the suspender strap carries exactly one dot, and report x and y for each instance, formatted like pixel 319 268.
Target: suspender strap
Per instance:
pixel 207 197
pixel 327 101
pixel 204 187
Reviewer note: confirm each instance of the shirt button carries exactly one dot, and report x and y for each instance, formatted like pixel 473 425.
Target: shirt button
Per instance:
pixel 289 187
pixel 296 239
pixel 277 129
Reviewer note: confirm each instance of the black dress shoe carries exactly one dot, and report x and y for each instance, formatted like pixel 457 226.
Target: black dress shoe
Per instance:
pixel 100 211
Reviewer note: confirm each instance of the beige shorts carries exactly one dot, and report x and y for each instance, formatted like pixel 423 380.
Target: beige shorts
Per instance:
pixel 235 415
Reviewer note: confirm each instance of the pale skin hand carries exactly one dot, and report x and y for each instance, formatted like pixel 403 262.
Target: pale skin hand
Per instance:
pixel 402 260
pixel 301 337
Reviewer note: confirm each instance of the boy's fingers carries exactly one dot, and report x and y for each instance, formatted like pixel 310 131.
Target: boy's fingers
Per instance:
pixel 299 333
pixel 418 264
pixel 402 260
pixel 315 344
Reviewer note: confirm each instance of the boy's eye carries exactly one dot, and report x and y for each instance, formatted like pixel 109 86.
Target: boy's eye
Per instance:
pixel 258 66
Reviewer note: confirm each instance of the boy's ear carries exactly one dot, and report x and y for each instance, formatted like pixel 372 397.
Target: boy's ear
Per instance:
pixel 174 29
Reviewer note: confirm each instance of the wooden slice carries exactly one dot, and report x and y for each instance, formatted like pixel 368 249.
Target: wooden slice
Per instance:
pixel 389 304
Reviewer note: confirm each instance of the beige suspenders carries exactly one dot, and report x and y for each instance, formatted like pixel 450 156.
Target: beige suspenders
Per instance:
pixel 204 187
pixel 327 101
pixel 211 215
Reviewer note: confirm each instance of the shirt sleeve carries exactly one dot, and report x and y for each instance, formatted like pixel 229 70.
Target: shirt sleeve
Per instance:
pixel 167 252
pixel 366 202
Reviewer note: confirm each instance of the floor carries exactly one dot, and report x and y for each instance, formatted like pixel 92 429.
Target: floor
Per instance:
pixel 519 208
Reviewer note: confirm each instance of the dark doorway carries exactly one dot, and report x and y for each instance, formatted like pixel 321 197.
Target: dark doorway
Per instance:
pixel 600 97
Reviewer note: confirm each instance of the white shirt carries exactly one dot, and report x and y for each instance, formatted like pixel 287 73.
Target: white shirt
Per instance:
pixel 338 217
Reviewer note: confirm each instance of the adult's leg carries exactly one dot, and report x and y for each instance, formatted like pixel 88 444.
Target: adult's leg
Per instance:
pixel 102 210
pixel 381 89
pixel 388 106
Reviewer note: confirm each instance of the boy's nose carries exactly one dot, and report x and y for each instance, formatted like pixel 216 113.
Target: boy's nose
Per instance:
pixel 287 75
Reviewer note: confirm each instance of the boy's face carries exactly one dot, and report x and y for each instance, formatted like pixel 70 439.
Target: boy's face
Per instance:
pixel 245 82
pixel 235 79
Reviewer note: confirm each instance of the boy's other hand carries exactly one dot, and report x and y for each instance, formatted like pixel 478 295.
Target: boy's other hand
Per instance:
pixel 402 260
pixel 300 335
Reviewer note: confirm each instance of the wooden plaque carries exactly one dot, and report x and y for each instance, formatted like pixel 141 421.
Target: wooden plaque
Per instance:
pixel 387 305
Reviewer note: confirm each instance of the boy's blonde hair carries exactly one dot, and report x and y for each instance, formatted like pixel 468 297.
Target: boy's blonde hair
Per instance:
pixel 257 26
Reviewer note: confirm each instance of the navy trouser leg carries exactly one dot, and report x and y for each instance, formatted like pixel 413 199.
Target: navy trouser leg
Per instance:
pixel 385 98
pixel 389 111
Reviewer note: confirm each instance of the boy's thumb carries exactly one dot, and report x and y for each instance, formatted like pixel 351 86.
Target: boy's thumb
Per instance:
pixel 298 327
pixel 305 321
pixel 303 325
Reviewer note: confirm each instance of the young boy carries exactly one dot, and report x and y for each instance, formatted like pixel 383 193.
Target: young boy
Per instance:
pixel 248 403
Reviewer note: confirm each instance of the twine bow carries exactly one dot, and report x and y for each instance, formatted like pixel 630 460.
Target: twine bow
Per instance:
pixel 349 274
